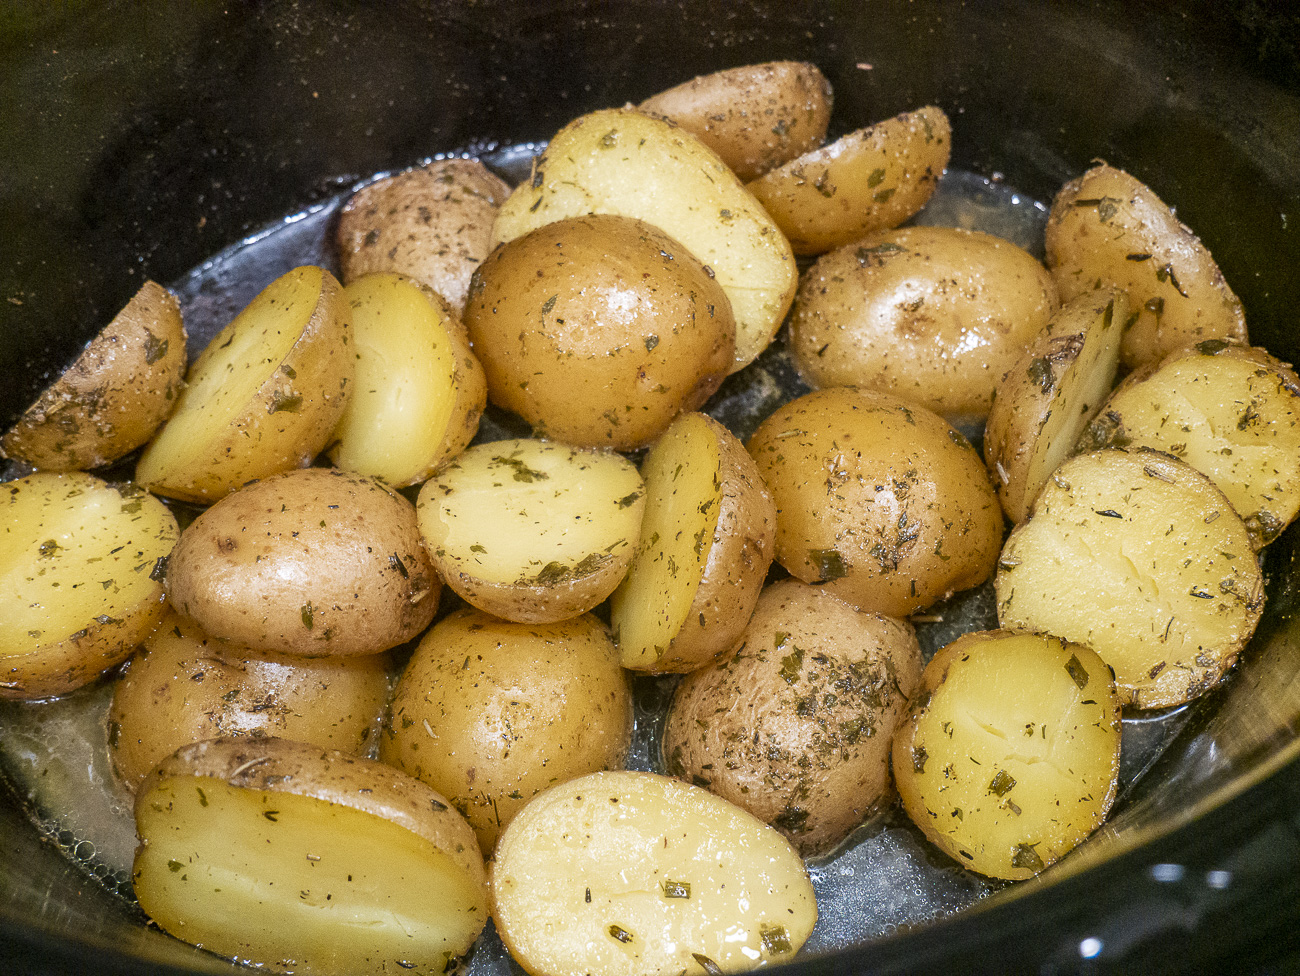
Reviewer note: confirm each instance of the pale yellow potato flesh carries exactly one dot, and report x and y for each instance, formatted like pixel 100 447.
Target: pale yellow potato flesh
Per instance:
pixel 619 161
pixel 419 391
pixel 1138 556
pixel 629 873
pixel 80 579
pixel 1010 757
pixel 530 530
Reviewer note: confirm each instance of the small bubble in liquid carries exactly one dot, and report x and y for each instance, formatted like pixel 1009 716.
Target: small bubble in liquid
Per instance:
pixel 84 851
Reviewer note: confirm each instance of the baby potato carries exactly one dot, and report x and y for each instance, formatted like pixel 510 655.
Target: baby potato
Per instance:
pixel 623 162
pixel 1010 756
pixel 1231 412
pixel 599 330
pixel 490 713
pixel 870 180
pixel 183 687
pixel 795 728
pixel 1108 229
pixel 532 531
pixel 419 391
pixel 297 859
pixel 116 394
pixel 754 117
pixel 316 562
pixel 877 500
pixel 264 396
pixel 627 874
pixel 1137 555
pixel 80 579
pixel 706 546
pixel 432 223
pixel 932 314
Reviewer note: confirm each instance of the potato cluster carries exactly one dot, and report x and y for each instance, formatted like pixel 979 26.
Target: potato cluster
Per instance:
pixel 295 721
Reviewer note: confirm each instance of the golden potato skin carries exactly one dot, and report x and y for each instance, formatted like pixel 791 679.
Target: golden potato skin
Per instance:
pixel 932 314
pixel 432 223
pixel 754 117
pixel 599 330
pixel 116 394
pixel 183 687
pixel 490 713
pixel 315 561
pixel 795 728
pixel 1108 228
pixel 877 499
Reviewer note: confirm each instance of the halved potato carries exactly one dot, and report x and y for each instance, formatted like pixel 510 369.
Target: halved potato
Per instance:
pixel 707 540
pixel 419 390
pixel 619 161
pixel 300 859
pixel 112 399
pixel 80 579
pixel 1138 556
pixel 869 180
pixel 626 874
pixel 1047 398
pixel 533 531
pixel 263 397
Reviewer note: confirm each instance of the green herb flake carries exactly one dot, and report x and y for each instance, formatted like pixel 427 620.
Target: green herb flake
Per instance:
pixel 522 472
pixel 792 819
pixel 1002 783
pixel 282 402
pixel 272 815
pixel 477 548
pixel 49 548
pixel 203 797
pixel 1077 671
pixel 650 342
pixel 620 933
pixel 549 304
pixel 707 964
pixel 791 665
pixel 308 616
pixel 154 348
pixel 1212 347
pixel 876 178
pixel 677 889
pixel 173 866
pixel 1025 856
pixel 1040 374
pixel 882 196
pixel 829 564
pixel 288 371
pixel 919 757
pixel 775 940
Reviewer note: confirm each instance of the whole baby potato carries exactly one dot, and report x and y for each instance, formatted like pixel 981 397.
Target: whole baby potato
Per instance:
pixel 877 499
pixel 315 561
pixel 933 314
pixel 795 728
pixel 599 330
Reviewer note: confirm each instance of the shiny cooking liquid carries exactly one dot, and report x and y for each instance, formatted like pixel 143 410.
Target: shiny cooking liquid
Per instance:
pixel 885 876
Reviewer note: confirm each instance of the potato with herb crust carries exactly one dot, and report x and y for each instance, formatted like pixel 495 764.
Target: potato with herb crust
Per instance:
pixel 300 859
pixel 117 393
pixel 490 713
pixel 316 562
pixel 795 728
pixel 706 546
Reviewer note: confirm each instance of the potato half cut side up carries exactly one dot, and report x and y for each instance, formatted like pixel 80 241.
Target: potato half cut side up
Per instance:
pixel 626 874
pixel 264 396
pixel 298 859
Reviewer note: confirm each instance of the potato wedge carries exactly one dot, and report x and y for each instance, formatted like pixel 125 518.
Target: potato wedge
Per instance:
pixel 867 181
pixel 1231 412
pixel 623 162
pixel 628 873
pixel 419 390
pixel 1047 398
pixel 707 540
pixel 533 531
pixel 1108 229
pixel 432 223
pixel 113 398
pixel 263 397
pixel 80 579
pixel 490 713
pixel 754 117
pixel 1010 757
pixel 298 859
pixel 1138 556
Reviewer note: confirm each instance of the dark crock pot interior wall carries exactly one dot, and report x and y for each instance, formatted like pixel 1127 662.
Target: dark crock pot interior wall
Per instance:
pixel 141 138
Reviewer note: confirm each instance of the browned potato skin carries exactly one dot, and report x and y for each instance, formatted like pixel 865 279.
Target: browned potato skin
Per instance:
pixel 490 713
pixel 795 728
pixel 112 399
pixel 931 314
pixel 432 223
pixel 183 687
pixel 870 180
pixel 877 499
pixel 315 561
pixel 1107 228
pixel 548 319
pixel 754 117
